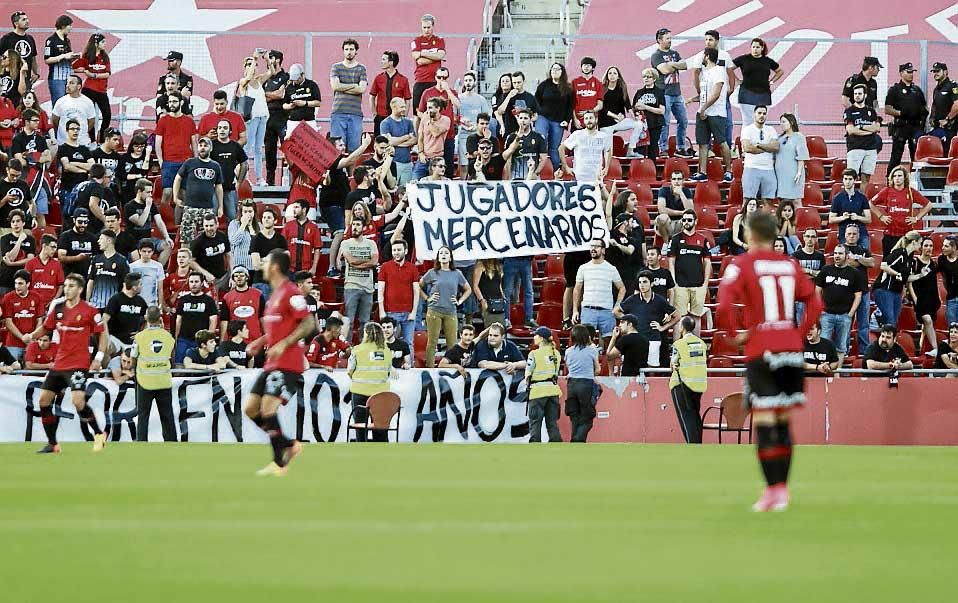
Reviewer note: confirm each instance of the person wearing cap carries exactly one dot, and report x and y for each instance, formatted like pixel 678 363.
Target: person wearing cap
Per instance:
pixel 171 85
pixel 906 103
pixel 301 100
pixel 487 165
pixel 198 189
pixel 348 80
pixel 94 65
pixel 174 64
pixel 627 344
pixel 689 380
pixel 244 303
pixel 866 77
pixel 862 125
pixel 626 248
pixel 274 88
pixel 21 42
pixel 542 381
pixel 944 104
pixel 77 246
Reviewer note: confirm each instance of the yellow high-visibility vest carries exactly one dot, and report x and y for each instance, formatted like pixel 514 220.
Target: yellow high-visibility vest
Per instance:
pixel 153 350
pixel 545 363
pixel 371 374
pixel 692 363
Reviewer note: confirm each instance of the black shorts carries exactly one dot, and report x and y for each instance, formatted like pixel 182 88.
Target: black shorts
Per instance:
pixel 279 384
pixel 710 129
pixel 58 381
pixel 570 265
pixel 775 381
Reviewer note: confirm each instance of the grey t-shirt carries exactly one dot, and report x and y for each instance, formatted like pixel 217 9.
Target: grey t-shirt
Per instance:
pixel 669 83
pixel 580 361
pixel 359 278
pixel 199 180
pixel 152 273
pixel 447 283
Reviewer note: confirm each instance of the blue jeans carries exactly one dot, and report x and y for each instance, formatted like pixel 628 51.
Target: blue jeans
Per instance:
pixel 674 105
pixel 494 127
pixel 729 126
pixel 264 288
pixel 182 347
pixel 516 272
pixel 861 317
pixel 420 170
pixel 255 138
pixel 889 303
pixel 470 306
pixel 407 328
pixel 951 310
pixel 58 88
pixel 229 204
pixel 357 307
pixel 347 126
pixel 552 132
pixel 835 328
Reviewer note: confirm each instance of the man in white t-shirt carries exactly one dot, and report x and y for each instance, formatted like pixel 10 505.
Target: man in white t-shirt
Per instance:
pixel 711 120
pixel 592 301
pixel 759 143
pixel 592 149
pixel 694 63
pixel 74 106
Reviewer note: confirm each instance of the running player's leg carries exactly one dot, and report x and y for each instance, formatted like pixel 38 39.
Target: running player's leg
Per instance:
pixel 49 420
pixel 785 437
pixel 84 410
pixel 277 439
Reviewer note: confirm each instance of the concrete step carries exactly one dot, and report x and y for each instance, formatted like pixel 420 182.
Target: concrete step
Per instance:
pixel 534 24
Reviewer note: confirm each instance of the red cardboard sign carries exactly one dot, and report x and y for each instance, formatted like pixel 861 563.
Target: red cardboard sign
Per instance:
pixel 309 151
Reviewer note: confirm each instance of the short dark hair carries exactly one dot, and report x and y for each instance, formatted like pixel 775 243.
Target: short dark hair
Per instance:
pixel 269 209
pixel 483 115
pixel 76 279
pixel 711 54
pixel 863 88
pixel 467 327
pixel 141 185
pixel 131 279
pixel 97 170
pixel 302 203
pixel 381 139
pixel 757 107
pixel 688 324
pixel 332 322
pixel 29 114
pixel 210 217
pixel 588 61
pixel 108 234
pixel 388 320
pixel 518 74
pixel 661 32
pixel 392 56
pixel 15 164
pixel 438 102
pixel 219 95
pixel 302 276
pixel 281 258
pixel 233 327
pixel 24 274
pixel 17 213
pixel 63 21
pixel 112 212
pixel 400 242
pixel 360 173
pixel 350 42
pixel 714 33
pixel 144 243
pixel 850 172
pixel 47 239
pixel 763 226
pixel 690 211
pixel 644 274
pixel 889 328
pixel 276 54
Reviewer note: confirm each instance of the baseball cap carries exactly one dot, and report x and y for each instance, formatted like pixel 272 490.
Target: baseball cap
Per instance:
pixel 622 219
pixel 174 55
pixel 873 61
pixel 939 67
pixel 632 319
pixel 81 213
pixel 206 139
pixel 906 67
pixel 544 332
pixel 240 268
pixel 295 71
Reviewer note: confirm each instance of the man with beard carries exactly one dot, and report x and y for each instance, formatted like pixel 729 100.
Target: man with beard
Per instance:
pixel 96 197
pixel 487 165
pixel 450 108
pixel 944 103
pixel 244 303
pixel 198 188
pixel 398 290
pixel 592 151
pixel 626 248
pixel 654 315
pixel 332 197
pixel 361 257
pixel 348 81
pixel 274 87
pixel 22 42
pixel 175 142
pixel 211 252
pixel 691 267
pixel 522 144
pixel 471 105
pixel 233 160
pixel 74 106
pixel 30 148
pixel 195 312
pixel 592 298
pixel 303 238
pixel 77 246
pixel 886 354
pixel 174 67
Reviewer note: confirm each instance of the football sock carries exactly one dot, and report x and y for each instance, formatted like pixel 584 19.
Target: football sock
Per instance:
pixel 277 440
pixel 770 454
pixel 49 422
pixel 785 437
pixel 87 416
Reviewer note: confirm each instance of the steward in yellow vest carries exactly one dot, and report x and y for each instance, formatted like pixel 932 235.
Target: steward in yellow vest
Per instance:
pixel 542 377
pixel 689 380
pixel 152 352
pixel 370 366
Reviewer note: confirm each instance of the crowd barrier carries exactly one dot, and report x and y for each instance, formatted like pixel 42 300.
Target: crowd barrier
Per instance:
pixel 489 406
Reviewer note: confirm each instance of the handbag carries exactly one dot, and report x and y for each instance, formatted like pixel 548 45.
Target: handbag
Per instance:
pixel 496 305
pixel 244 106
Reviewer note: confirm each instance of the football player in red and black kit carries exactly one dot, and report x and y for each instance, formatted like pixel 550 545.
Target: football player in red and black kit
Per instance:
pixel 768 285
pixel 287 322
pixel 75 322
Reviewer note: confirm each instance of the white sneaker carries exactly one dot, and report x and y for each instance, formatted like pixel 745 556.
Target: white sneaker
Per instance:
pixel 932 352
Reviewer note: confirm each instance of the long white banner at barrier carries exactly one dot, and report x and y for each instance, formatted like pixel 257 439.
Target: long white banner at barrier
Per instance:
pixel 505 219
pixel 437 406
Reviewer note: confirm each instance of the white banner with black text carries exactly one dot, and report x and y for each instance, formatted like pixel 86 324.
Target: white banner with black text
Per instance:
pixel 437 406
pixel 505 219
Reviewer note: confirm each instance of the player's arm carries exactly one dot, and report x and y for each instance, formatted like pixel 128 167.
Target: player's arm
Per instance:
pixel 103 344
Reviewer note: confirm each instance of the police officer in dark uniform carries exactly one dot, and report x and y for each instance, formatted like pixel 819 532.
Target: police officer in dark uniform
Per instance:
pixel 944 104
pixel 906 103
pixel 275 89
pixel 866 77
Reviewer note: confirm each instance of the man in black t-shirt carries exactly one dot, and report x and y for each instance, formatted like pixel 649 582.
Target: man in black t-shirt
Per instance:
pixel 402 355
pixel 21 42
pixel 368 190
pixel 125 313
pixel 234 347
pixel 459 356
pixel 275 89
pixel 655 316
pixel 947 357
pixel 629 345
pixel 820 355
pixel 944 104
pixel 522 144
pixel 948 268
pixel 862 125
pixel 234 163
pixel 885 354
pixel 861 259
pixel 482 133
pixel 75 162
pixel 96 197
pixel 108 156
pixel 662 282
pixel 487 165
pixel 198 189
pixel 867 78
pixel 77 246
pixel 383 155
pixel 301 99
pixel 840 287
pixel 195 312
pixel 672 202
pixel 516 101
pixel 809 257
pixel 211 253
pixel 266 240
pixel 14 193
pixel 691 267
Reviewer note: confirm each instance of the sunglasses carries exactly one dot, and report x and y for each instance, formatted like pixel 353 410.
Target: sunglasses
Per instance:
pixel 442 77
pixel 689 220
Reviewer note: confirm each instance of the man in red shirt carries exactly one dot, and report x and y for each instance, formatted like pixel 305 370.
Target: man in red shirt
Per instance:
pixel 303 238
pixel 208 122
pixel 387 85
pixel 46 272
pixel 448 95
pixel 894 206
pixel 398 288
pixel 242 302
pixel 175 142
pixel 768 284
pixel 588 92
pixel 75 322
pixel 287 322
pixel 428 52
pixel 327 349
pixel 40 354
pixel 22 313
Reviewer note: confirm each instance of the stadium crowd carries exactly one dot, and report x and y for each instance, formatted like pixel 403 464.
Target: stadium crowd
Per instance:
pixel 166 219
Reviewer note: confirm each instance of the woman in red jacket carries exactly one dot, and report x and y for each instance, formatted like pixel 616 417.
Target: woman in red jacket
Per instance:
pixel 94 63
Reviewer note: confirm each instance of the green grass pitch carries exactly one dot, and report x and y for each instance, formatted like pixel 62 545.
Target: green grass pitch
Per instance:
pixel 387 523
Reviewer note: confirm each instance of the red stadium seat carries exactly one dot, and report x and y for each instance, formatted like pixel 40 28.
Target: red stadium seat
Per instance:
pixel 550 315
pixel 730 216
pixel 722 346
pixel 244 190
pixel 715 169
pixel 952 178
pixel 738 168
pixel 813 196
pixel 907 320
pixel 818 148
pixel 807 217
pixel 643 171
pixel 615 170
pixel 929 147
pixel 707 193
pixel 327 289
pixel 907 343
pixel 618 147
pixel 735 198
pixel 831 242
pixel 643 193
pixel 554 267
pixel 642 215
pixel 552 291
pixel 838 166
pixel 707 217
pixel 872 189
pixel 721 362
pixel 548 171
